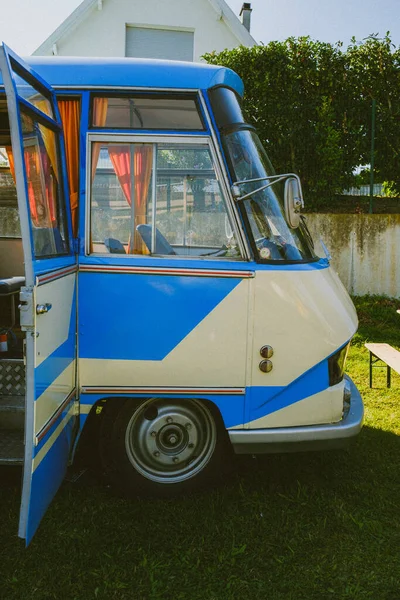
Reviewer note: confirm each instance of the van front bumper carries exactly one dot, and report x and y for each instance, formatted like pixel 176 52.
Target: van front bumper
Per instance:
pixel 304 438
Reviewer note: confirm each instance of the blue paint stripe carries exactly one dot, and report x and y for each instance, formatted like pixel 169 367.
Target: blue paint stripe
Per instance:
pixel 143 318
pixel 119 72
pixel 259 401
pixel 47 478
pixel 264 401
pixel 193 263
pixel 230 407
pixel 52 368
pixel 319 265
pixel 53 427
pixel 43 266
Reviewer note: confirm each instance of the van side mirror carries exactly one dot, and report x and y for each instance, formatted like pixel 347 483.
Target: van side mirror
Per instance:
pixel 293 201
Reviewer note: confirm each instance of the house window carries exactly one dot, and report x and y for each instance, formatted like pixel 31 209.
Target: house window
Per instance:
pixel 169 44
pixel 158 199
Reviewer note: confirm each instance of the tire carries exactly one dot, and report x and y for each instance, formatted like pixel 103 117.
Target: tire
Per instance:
pixel 164 447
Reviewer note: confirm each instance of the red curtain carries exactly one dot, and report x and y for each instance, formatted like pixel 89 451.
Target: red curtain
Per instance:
pixel 42 209
pixel 100 107
pixel 142 163
pixel 41 206
pixel 70 117
pixel 30 158
pixel 11 161
pixel 121 160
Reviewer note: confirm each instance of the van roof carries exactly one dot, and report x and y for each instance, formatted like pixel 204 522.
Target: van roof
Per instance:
pixel 77 72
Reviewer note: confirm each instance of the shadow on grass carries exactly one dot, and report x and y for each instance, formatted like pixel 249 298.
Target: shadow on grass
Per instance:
pixel 284 527
pixel 372 460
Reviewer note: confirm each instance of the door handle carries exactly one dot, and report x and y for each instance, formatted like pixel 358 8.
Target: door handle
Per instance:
pixel 43 308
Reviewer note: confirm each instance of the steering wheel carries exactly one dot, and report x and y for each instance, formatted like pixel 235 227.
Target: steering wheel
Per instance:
pixel 278 249
pixel 268 249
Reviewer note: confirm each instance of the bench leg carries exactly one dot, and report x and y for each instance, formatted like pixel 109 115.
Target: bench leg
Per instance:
pixel 388 376
pixel 370 369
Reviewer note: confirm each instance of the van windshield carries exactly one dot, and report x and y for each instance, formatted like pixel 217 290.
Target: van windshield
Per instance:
pixel 263 209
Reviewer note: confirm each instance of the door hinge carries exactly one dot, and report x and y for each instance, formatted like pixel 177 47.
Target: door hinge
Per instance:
pixel 27 313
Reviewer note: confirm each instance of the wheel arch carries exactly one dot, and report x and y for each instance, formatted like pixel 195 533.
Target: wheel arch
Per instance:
pixel 107 408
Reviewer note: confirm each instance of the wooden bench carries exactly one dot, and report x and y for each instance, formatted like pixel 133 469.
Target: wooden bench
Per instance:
pixel 386 354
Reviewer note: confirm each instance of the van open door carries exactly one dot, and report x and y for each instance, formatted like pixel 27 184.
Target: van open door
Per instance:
pixel 48 299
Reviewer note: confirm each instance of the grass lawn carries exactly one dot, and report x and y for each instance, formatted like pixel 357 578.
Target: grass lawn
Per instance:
pixel 297 526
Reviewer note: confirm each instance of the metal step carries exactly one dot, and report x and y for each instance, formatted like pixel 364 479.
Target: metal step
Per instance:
pixel 12 404
pixel 12 412
pixel 11 447
pixel 12 377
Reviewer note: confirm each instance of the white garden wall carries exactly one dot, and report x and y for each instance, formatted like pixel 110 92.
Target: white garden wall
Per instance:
pixel 365 250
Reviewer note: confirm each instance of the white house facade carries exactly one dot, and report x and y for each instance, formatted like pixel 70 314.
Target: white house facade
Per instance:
pixel 169 29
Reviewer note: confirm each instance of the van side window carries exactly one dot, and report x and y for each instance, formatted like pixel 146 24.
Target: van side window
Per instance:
pixel 43 178
pixel 160 199
pixel 146 111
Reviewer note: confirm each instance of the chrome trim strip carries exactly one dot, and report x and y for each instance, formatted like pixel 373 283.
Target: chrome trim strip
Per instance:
pixel 47 426
pixel 53 275
pixel 180 272
pixel 345 429
pixel 163 390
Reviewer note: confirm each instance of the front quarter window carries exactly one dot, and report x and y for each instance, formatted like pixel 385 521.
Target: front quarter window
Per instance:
pixel 263 211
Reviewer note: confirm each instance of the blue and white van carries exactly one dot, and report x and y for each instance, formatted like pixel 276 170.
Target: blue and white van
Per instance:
pixel 158 282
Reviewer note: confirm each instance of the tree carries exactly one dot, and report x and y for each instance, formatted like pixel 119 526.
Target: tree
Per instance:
pixel 311 104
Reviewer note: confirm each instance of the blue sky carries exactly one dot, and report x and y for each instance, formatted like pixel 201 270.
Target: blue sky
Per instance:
pixel 24 24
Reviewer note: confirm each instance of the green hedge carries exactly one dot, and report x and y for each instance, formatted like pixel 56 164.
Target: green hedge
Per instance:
pixel 311 104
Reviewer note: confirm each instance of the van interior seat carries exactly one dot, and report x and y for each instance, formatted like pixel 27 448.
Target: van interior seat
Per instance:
pixel 11 285
pixel 162 244
pixel 114 246
pixel 11 258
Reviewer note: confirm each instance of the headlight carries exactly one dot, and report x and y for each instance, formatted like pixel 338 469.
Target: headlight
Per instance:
pixel 346 398
pixel 336 364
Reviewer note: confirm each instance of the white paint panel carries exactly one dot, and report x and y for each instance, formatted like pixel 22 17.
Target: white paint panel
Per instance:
pixel 170 44
pixel 212 355
pixel 53 326
pixel 324 407
pixel 47 404
pixel 52 439
pixel 304 315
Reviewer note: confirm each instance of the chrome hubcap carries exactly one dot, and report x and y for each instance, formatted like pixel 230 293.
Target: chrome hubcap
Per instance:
pixel 169 441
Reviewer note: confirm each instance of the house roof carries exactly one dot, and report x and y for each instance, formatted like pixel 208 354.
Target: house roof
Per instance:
pixel 82 11
pixel 81 73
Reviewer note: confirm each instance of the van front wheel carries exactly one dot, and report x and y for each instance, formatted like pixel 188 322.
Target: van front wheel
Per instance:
pixel 165 447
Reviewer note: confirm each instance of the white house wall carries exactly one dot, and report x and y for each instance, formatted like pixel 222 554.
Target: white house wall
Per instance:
pixel 102 32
